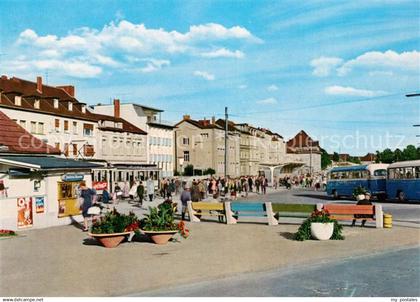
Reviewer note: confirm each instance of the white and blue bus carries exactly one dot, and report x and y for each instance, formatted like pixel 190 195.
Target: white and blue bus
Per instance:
pixel 403 181
pixel 343 180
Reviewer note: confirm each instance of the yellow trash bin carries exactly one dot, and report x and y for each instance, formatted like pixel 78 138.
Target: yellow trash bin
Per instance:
pixel 387 221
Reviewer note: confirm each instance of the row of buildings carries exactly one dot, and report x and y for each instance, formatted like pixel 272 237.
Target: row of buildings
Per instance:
pixel 50 141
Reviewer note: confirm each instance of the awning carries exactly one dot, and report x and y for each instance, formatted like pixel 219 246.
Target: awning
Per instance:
pixel 46 162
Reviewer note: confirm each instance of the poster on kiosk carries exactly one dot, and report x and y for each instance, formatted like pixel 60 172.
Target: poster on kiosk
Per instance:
pixel 24 206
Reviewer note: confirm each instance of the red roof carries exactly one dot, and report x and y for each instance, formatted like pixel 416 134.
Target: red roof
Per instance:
pixel 28 91
pixel 302 142
pixel 15 139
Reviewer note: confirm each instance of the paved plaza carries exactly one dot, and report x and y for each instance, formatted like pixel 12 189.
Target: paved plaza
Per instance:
pixel 64 261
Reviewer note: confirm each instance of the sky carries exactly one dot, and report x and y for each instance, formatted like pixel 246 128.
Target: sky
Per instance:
pixel 337 69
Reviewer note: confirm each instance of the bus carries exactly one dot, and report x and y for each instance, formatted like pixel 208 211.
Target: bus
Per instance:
pixel 403 182
pixel 343 180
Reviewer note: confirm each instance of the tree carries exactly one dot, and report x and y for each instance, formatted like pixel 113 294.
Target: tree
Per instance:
pixel 409 153
pixel 387 156
pixel 325 159
pixel 398 155
pixel 189 170
pixel 209 171
pixel 336 157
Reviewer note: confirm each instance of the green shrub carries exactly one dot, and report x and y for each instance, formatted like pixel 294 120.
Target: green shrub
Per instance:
pixel 304 231
pixel 114 222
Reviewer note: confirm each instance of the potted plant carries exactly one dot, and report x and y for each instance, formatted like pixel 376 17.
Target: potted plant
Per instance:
pixel 319 226
pixel 359 193
pixel 159 224
pixel 7 233
pixel 111 229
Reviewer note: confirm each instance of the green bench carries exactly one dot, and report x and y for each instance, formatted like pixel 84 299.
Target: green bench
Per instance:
pixel 291 210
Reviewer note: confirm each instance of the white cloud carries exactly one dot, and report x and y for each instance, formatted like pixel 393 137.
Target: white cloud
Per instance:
pixel 204 75
pixel 350 91
pixel 110 46
pixel 223 53
pixel 269 101
pixel 324 65
pixel 272 88
pixel 409 60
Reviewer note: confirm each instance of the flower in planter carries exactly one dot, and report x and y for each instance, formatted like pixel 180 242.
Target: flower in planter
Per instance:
pixel 183 230
pixel 115 222
pixel 304 231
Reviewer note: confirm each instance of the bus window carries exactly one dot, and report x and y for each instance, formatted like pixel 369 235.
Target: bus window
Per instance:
pixel 381 172
pixel 409 173
pixel 417 172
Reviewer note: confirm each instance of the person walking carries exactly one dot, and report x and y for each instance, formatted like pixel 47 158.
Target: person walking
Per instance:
pixel 171 189
pixel 150 187
pixel 87 194
pixel 185 197
pixel 140 193
pixel 250 183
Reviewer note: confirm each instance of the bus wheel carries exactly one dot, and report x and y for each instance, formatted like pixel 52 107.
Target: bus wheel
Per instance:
pixel 401 196
pixel 335 194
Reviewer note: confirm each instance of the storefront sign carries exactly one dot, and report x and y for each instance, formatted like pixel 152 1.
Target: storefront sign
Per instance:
pixel 100 185
pixel 39 204
pixel 72 177
pixel 24 207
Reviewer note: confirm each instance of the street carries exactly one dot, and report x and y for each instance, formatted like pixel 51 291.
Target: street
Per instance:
pixel 374 275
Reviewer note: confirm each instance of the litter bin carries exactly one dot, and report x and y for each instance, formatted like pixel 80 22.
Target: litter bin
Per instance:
pixel 387 221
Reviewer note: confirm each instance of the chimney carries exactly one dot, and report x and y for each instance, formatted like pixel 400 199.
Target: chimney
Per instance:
pixel 69 89
pixel 186 117
pixel 116 108
pixel 39 84
pixel 213 120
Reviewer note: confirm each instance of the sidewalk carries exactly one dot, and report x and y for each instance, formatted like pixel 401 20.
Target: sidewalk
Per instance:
pixel 63 261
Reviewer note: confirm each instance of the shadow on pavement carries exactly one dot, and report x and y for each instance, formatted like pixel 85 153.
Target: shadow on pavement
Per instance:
pixel 91 241
pixel 287 235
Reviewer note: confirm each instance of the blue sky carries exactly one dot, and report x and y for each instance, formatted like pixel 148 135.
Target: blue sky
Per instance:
pixel 337 69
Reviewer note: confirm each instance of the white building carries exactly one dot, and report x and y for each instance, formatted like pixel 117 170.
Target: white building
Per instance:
pixel 160 136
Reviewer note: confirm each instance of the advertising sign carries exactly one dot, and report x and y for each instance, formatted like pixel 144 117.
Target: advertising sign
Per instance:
pixel 72 177
pixel 24 207
pixel 100 185
pixel 39 205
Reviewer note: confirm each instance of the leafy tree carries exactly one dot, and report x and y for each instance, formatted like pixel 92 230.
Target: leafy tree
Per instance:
pixel 410 153
pixel 398 155
pixel 336 157
pixel 325 159
pixel 189 170
pixel 387 156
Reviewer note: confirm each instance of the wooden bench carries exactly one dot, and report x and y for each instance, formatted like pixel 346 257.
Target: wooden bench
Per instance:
pixel 198 209
pixel 249 209
pixel 347 212
pixel 294 210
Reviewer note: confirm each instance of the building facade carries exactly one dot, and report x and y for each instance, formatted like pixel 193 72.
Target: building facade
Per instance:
pixel 160 136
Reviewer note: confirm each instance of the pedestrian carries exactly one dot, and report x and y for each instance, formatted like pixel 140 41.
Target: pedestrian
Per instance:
pixel 185 197
pixel 365 201
pixel 133 190
pixel 250 183
pixel 195 193
pixel 140 193
pixel 171 189
pixel 87 195
pixel 150 186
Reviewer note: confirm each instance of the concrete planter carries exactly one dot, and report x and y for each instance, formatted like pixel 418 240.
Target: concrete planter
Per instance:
pixel 360 197
pixel 110 240
pixel 322 231
pixel 160 237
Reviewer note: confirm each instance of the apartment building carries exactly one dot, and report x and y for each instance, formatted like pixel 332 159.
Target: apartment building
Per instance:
pixel 160 135
pixel 56 117
pixel 201 143
pixel 303 149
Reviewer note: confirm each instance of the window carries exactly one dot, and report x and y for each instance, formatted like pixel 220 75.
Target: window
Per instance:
pixel 41 128
pixel 57 145
pixel 186 155
pixel 18 100
pixel 87 129
pixel 204 135
pixel 417 169
pixel 88 150
pixel 57 125
pixel 33 127
pixel 66 126
pixel 70 106
pixel 56 103
pixel 75 127
pixel 186 141
pixel 23 124
pixel 75 150
pixel 36 104
pixel 381 172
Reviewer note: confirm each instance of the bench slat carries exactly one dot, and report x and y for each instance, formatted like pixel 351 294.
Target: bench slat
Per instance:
pixel 300 208
pixel 248 207
pixel 208 206
pixel 348 217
